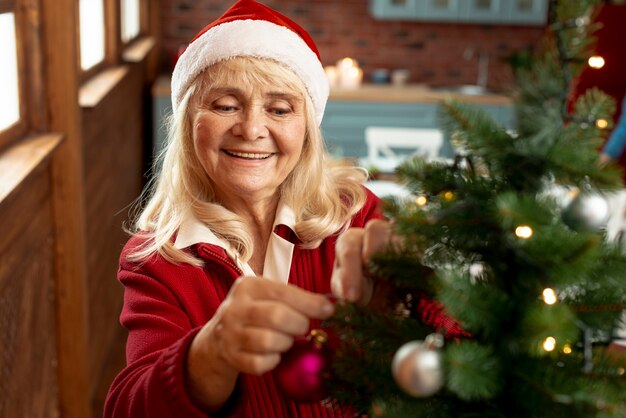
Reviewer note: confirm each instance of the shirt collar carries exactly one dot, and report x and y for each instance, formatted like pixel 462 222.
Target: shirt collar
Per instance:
pixel 193 231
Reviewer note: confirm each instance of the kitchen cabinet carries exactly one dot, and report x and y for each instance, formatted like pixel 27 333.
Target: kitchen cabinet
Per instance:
pixel 394 9
pixel 442 10
pixel 483 11
pixel 526 12
pixel 344 122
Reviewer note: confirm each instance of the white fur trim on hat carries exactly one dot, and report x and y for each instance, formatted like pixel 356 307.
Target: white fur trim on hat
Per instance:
pixel 256 38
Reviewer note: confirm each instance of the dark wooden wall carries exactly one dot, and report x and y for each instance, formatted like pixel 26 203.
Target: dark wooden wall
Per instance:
pixel 27 312
pixel 65 191
pixel 112 154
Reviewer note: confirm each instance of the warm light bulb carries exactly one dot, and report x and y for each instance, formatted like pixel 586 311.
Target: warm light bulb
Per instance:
pixel 567 349
pixel 549 296
pixel 549 344
pixel 602 123
pixel 448 195
pixel 581 21
pixel 524 231
pixel 421 200
pixel 596 62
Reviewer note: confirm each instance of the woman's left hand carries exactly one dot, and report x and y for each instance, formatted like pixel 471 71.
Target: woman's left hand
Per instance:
pixel 354 247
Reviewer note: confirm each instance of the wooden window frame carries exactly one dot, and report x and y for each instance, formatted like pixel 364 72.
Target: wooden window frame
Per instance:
pixel 114 47
pixel 11 133
pixel 138 48
pixel 144 23
pixel 29 67
pixel 111 44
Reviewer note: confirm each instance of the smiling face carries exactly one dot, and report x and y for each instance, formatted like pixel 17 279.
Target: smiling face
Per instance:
pixel 248 133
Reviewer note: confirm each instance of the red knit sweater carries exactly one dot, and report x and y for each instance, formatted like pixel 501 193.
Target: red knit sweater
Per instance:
pixel 165 305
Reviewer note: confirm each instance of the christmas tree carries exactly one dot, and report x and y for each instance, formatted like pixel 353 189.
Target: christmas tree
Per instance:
pixel 509 240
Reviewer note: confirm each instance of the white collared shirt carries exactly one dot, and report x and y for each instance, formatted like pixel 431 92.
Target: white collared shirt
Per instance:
pixel 277 257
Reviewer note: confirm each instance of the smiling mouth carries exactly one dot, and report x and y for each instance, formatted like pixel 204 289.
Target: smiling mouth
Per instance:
pixel 249 155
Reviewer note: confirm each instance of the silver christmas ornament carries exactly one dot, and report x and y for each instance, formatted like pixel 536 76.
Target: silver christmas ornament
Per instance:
pixel 417 366
pixel 587 211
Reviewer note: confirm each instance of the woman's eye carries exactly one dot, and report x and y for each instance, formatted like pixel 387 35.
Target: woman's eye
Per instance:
pixel 280 111
pixel 225 104
pixel 224 108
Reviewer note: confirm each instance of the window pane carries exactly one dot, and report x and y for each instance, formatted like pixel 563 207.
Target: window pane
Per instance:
pixel 130 19
pixel 91 33
pixel 9 99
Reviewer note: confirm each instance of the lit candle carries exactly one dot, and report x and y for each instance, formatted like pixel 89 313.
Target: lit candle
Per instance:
pixel 350 75
pixel 332 74
pixel 351 78
pixel 347 63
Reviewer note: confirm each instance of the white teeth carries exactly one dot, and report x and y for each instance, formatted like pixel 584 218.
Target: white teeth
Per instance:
pixel 249 155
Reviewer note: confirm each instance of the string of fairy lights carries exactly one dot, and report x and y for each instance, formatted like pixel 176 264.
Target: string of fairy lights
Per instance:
pixel 524 232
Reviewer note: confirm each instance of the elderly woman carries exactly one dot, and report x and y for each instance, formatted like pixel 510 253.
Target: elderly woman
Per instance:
pixel 246 226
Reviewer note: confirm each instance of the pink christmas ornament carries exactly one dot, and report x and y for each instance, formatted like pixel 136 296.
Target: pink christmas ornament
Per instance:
pixel 304 369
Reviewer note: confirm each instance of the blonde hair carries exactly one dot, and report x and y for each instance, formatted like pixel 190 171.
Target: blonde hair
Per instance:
pixel 323 193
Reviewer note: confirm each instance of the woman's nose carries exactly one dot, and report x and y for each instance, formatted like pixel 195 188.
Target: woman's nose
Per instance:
pixel 252 125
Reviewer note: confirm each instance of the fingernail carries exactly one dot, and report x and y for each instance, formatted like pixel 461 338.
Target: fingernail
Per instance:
pixel 351 294
pixel 328 308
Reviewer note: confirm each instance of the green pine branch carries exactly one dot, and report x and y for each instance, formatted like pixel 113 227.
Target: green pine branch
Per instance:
pixel 487 237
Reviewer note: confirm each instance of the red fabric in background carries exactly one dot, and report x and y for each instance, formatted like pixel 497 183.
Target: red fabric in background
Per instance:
pixel 611 79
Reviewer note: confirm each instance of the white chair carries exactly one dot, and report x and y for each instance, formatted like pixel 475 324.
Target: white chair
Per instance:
pixel 382 143
pixel 616 224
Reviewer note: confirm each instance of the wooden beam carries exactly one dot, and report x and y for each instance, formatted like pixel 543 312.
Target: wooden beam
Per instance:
pixel 31 64
pixel 60 18
pixel 112 33
pixel 6 6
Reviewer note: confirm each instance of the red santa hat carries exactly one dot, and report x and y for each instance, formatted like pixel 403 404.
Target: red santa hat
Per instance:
pixel 251 29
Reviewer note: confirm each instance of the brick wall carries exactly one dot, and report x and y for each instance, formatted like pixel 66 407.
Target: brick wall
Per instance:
pixel 433 52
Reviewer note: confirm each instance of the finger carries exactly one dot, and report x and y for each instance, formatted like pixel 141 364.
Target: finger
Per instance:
pixel 376 237
pixel 264 341
pixel 276 316
pixel 309 304
pixel 253 350
pixel 347 278
pixel 255 363
pixel 237 346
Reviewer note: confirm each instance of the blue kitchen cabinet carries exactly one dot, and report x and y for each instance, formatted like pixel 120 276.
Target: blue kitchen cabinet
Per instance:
pixel 484 11
pixel 344 122
pixel 524 12
pixel 441 10
pixel 394 9
pixel 531 12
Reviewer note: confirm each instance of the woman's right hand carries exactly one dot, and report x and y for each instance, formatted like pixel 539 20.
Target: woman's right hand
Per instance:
pixel 256 322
